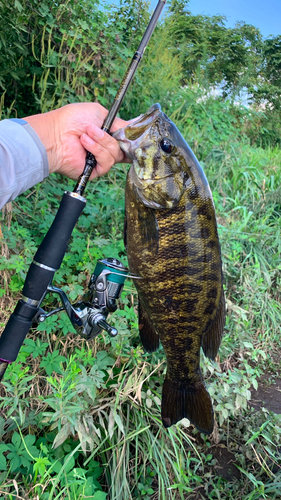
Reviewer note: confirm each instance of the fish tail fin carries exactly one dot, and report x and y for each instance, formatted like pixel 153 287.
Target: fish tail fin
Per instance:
pixel 190 401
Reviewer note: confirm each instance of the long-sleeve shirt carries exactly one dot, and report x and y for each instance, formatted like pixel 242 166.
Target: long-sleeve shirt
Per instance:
pixel 23 159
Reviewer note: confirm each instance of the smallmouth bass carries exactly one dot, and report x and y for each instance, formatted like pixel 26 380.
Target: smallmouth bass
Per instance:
pixel 173 246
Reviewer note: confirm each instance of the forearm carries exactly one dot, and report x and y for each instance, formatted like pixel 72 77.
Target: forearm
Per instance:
pixel 46 127
pixel 23 160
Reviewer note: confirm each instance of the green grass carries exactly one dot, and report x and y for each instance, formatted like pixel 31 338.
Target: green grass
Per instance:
pixel 113 407
pixel 86 416
pixel 82 420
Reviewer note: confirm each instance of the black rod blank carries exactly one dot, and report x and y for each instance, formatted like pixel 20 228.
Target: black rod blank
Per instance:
pixel 90 159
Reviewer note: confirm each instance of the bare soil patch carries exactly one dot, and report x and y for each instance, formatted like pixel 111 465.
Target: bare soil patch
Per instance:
pixel 225 463
pixel 267 396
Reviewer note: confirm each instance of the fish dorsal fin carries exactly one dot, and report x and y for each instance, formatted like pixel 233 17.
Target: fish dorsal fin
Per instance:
pixel 212 338
pixel 148 335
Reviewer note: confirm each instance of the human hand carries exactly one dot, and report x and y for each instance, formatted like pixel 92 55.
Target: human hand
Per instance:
pixel 66 133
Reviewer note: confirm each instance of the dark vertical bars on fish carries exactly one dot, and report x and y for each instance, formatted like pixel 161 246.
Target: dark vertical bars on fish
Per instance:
pixel 173 245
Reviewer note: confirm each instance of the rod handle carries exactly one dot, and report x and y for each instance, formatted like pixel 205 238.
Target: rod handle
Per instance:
pixel 16 330
pixel 47 260
pixel 51 251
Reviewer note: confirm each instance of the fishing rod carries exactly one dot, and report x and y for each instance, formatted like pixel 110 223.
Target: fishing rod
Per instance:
pixel 89 315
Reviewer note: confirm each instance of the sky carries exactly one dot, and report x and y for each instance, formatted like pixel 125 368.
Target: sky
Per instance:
pixel 263 14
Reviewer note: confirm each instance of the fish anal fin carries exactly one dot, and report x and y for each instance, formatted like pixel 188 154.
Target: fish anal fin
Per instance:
pixel 212 338
pixel 148 335
pixel 190 401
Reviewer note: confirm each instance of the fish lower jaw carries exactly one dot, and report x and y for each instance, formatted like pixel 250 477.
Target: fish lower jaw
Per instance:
pixel 145 181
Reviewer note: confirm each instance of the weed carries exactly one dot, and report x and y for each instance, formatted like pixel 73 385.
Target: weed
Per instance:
pixel 83 419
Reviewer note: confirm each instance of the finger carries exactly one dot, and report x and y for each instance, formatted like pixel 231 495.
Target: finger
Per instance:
pixel 105 160
pixel 106 141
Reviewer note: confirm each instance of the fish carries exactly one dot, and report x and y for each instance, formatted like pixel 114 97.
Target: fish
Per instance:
pixel 173 247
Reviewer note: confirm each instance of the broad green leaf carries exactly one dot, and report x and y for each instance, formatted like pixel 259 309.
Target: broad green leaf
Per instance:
pixel 18 5
pixel 3 464
pixel 100 495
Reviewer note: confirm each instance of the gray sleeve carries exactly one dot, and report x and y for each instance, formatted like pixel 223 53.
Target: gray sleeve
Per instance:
pixel 23 159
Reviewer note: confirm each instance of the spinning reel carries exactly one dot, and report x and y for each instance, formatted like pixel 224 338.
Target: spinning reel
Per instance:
pixel 89 315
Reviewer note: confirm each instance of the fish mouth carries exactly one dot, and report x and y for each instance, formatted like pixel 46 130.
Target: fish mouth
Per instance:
pixel 129 136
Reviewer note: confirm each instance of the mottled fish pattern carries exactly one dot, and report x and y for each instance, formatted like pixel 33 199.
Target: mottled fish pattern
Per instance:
pixel 173 246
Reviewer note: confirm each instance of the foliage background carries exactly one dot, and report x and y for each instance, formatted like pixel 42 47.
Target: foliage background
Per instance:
pixel 83 420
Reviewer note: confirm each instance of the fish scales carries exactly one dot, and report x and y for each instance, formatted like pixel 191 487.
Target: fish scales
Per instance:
pixel 173 245
pixel 163 271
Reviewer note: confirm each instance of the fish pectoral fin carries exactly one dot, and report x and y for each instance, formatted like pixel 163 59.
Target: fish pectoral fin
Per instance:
pixel 212 338
pixel 192 402
pixel 125 231
pixel 148 335
pixel 149 231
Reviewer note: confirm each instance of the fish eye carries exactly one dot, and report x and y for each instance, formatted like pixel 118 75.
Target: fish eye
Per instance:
pixel 166 145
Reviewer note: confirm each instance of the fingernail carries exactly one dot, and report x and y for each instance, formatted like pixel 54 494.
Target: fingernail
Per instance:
pixel 98 132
